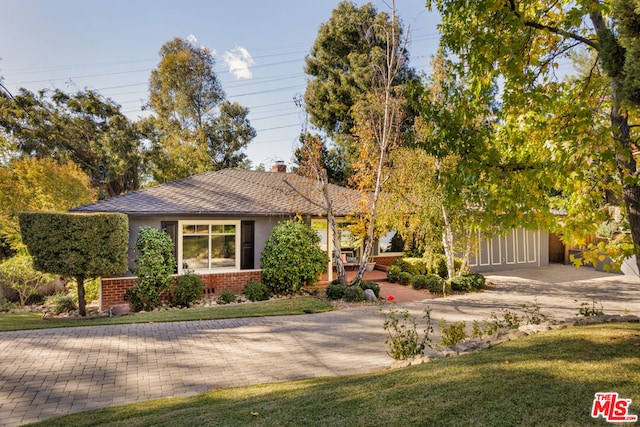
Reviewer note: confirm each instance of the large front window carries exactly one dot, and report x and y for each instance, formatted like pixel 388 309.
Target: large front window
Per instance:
pixel 208 245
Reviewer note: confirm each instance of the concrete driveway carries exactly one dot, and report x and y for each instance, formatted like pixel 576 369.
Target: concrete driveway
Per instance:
pixel 47 373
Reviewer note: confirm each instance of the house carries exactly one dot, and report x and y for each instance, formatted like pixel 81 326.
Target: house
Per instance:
pixel 220 221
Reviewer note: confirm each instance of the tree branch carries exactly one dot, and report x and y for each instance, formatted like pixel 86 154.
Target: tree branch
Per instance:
pixel 552 29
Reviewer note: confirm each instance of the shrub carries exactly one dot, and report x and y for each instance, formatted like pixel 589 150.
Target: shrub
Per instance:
pixel 452 334
pixel 353 294
pixel 370 285
pixel 404 278
pixel 434 283
pixel 477 280
pixel 227 297
pixel 189 288
pixel 392 273
pixel 91 289
pixel 335 290
pixel 256 291
pixel 442 266
pixel 402 336
pixel 411 265
pixel 292 257
pixel 156 265
pixel 61 303
pixel 419 281
pixel 462 284
pixel 19 273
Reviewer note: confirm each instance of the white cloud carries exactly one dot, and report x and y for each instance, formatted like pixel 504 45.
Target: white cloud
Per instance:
pixel 239 62
pixel 192 39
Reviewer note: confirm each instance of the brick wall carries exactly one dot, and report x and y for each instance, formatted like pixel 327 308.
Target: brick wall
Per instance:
pixel 114 289
pixel 384 261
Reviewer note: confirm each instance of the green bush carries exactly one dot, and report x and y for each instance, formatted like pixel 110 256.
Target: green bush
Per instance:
pixel 189 289
pixel 156 265
pixel 434 284
pixel 292 257
pixel 477 280
pixel 256 291
pixel 442 266
pixel 91 289
pixel 77 245
pixel 404 278
pixel 412 265
pixel 353 294
pixel 462 284
pixel 19 273
pixel 393 272
pixel 370 285
pixel 335 290
pixel 419 281
pixel 227 297
pixel 61 303
pixel 453 333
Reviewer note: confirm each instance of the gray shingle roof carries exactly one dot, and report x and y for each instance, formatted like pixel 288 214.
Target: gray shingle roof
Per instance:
pixel 231 192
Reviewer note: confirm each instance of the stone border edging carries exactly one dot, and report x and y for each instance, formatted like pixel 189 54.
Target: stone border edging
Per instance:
pixel 505 335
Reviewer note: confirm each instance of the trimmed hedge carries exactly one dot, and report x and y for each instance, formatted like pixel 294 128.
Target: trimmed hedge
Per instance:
pixel 77 245
pixel 353 294
pixel 393 272
pixel 256 291
pixel 404 278
pixel 370 285
pixel 189 289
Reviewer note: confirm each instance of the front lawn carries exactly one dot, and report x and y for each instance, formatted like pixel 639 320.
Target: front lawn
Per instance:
pixel 544 380
pixel 277 307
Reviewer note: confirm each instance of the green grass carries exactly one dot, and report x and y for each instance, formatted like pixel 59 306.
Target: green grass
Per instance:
pixel 542 380
pixel 278 307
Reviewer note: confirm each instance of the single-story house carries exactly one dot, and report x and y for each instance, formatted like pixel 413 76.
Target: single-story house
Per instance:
pixel 220 221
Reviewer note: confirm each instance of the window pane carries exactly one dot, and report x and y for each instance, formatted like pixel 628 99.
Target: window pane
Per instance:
pixel 216 228
pixel 230 229
pixel 195 229
pixel 195 252
pixel 391 242
pixel 223 251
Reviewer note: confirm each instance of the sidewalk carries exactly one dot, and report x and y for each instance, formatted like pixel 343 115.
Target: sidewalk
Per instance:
pixel 45 373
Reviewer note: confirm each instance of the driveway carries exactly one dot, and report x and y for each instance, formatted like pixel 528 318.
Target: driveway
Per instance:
pixel 47 373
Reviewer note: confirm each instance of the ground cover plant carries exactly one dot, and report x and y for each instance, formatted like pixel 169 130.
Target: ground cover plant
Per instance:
pixel 548 379
pixel 277 307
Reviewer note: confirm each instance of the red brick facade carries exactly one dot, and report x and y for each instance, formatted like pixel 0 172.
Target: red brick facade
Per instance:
pixel 114 289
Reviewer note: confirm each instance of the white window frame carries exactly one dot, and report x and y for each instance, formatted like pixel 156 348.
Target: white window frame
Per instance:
pixel 236 223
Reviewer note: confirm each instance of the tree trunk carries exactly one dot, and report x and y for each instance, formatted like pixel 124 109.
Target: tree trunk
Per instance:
pixel 335 234
pixel 447 244
pixel 81 302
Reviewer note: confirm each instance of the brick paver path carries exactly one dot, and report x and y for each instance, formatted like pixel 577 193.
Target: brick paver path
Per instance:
pixel 46 373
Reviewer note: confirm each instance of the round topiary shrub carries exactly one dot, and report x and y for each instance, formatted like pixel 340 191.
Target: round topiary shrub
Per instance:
pixel 335 290
pixel 370 285
pixel 392 273
pixel 419 281
pixel 462 284
pixel 434 283
pixel 189 288
pixel 477 280
pixel 292 257
pixel 404 278
pixel 353 294
pixel 256 291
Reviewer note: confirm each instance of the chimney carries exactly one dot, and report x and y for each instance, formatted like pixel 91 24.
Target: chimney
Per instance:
pixel 279 167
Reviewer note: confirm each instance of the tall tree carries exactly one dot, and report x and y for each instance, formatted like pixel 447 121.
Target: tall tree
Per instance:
pixel 542 118
pixel 193 129
pixel 342 66
pixel 31 184
pixel 83 127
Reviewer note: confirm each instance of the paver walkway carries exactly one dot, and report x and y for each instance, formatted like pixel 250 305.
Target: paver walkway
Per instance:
pixel 46 373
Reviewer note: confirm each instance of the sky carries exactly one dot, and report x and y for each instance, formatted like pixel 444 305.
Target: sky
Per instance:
pixel 112 46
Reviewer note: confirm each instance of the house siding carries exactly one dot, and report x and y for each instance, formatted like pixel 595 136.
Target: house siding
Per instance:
pixel 113 290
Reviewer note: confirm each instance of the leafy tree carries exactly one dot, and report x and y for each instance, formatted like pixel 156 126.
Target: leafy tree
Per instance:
pixel 193 129
pixel 84 127
pixel 292 257
pixel 77 245
pixel 18 272
pixel 155 267
pixel 581 128
pixel 31 184
pixel 333 159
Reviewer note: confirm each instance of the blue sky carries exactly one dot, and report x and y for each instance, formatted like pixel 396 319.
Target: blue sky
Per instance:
pixel 112 46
